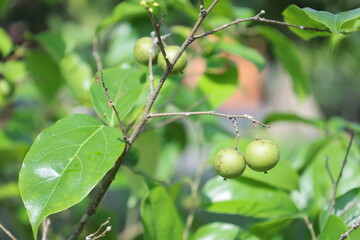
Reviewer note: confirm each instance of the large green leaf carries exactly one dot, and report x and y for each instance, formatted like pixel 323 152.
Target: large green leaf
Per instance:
pixel 308 17
pixel 333 229
pixel 124 85
pixel 54 44
pixel 65 163
pixel 219 87
pixel 282 176
pixel 160 217
pixel 246 198
pixel 248 53
pixel 222 231
pixel 6 44
pixel 287 53
pixel 291 117
pixel 45 72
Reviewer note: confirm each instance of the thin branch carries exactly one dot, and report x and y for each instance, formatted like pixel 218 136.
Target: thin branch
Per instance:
pixel 255 130
pixel 336 183
pixel 93 235
pixel 259 19
pixel 202 6
pixel 45 228
pixel 194 185
pixel 7 232
pixel 213 113
pixel 309 225
pixel 348 208
pixel 99 68
pixel 354 226
pixel 235 124
pixel 328 170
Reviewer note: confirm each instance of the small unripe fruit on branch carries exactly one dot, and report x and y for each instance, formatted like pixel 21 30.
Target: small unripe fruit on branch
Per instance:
pixel 171 51
pixel 262 155
pixel 229 163
pixel 141 50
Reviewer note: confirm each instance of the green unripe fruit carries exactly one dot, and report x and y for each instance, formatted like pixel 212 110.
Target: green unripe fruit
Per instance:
pixel 171 51
pixel 229 163
pixel 141 50
pixel 262 155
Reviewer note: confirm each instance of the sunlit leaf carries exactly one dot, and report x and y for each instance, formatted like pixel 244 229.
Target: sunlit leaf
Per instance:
pixel 65 163
pixel 6 44
pixel 333 229
pixel 246 198
pixel 222 231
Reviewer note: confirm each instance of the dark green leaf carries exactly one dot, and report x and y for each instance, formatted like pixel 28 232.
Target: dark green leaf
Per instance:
pixel 65 163
pixel 219 87
pixel 45 72
pixel 160 217
pixel 222 231
pixel 333 229
pixel 124 86
pixel 286 52
pixel 246 198
pixel 275 117
pixel 268 228
pixel 3 7
pixel 6 44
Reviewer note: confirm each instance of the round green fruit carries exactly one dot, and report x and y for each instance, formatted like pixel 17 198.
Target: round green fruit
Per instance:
pixel 262 155
pixel 171 51
pixel 141 50
pixel 229 163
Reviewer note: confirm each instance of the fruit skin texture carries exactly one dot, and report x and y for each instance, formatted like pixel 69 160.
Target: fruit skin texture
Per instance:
pixel 141 50
pixel 171 51
pixel 229 163
pixel 262 155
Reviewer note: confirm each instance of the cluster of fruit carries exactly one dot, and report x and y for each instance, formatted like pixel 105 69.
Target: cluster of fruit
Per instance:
pixel 260 155
pixel 146 46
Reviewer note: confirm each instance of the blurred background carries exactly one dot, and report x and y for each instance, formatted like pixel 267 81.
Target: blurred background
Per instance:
pixel 47 65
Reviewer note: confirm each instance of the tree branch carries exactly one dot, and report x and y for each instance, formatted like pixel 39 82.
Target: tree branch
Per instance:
pixel 309 225
pixel 99 68
pixel 213 113
pixel 354 226
pixel 7 232
pixel 336 183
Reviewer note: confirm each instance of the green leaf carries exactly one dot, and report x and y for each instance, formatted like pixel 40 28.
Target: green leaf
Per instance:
pixel 219 87
pixel 65 163
pixel 333 229
pixel 248 53
pixel 159 216
pixel 124 86
pixel 222 231
pixel 13 70
pixel 77 74
pixel 308 17
pixel 45 72
pixel 291 117
pixel 4 4
pixel 123 11
pixel 246 198
pixel 54 44
pixel 347 207
pixel 287 53
pixel 6 44
pixel 268 228
pixel 282 176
